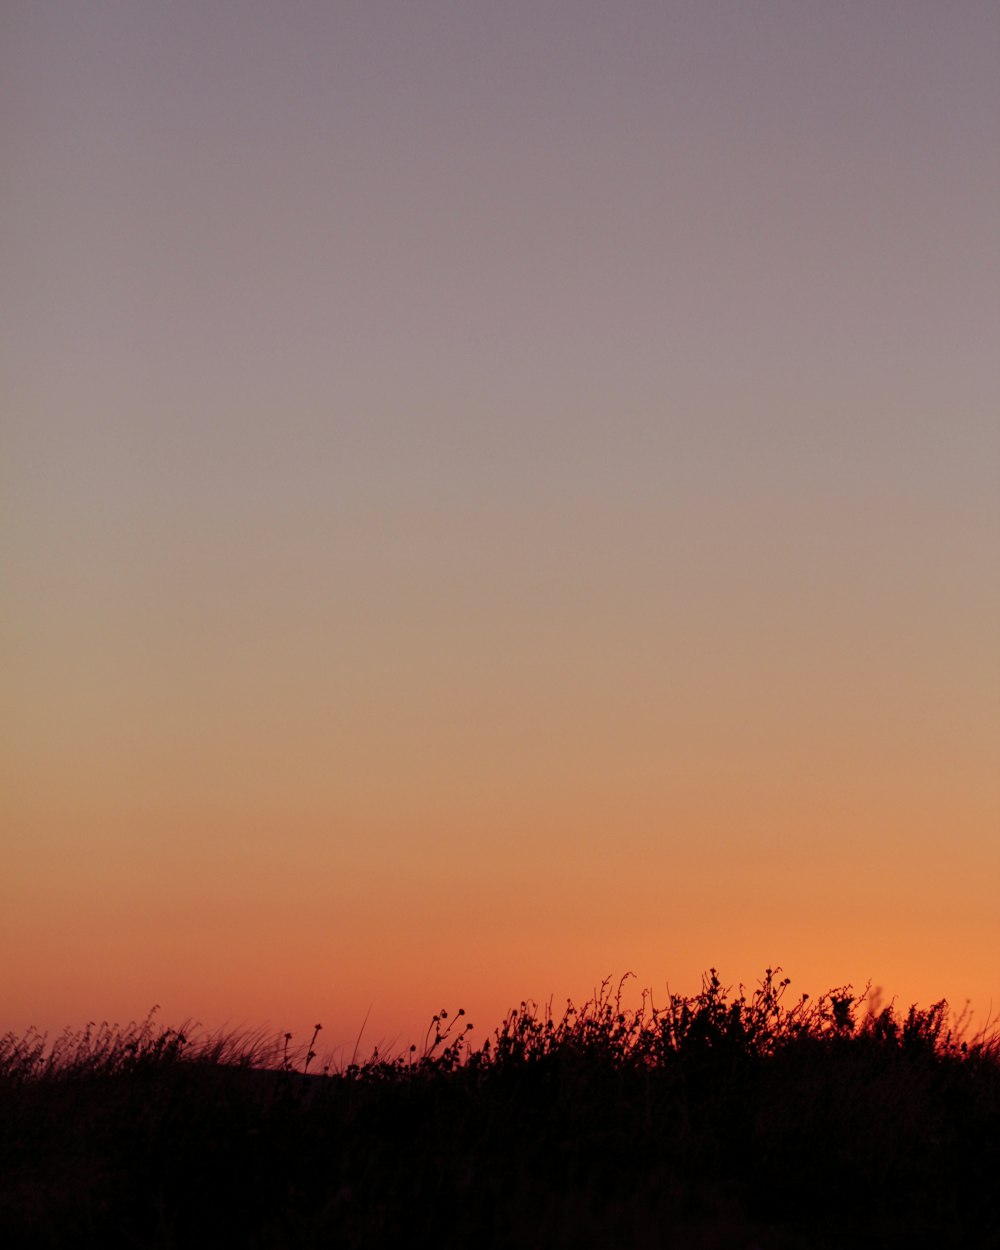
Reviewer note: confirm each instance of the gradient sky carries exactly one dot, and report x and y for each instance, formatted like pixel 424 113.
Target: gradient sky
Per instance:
pixel 494 495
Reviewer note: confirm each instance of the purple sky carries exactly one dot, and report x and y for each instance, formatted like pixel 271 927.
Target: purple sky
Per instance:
pixel 425 421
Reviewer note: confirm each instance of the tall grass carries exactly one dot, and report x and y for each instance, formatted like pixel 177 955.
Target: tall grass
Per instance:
pixel 728 1118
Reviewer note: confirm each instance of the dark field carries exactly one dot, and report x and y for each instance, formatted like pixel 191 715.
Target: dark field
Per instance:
pixel 722 1120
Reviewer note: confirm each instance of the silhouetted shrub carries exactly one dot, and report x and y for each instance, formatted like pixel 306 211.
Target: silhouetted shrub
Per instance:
pixel 727 1119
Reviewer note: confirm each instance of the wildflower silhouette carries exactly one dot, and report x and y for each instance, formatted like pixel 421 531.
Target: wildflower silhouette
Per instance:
pixel 726 1117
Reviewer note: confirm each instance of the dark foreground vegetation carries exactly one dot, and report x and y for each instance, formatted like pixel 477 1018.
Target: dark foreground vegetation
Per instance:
pixel 722 1120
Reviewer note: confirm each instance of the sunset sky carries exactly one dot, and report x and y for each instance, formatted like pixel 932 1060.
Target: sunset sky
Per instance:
pixel 494 495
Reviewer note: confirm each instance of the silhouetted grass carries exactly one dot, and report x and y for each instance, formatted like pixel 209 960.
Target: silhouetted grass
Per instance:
pixel 717 1120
